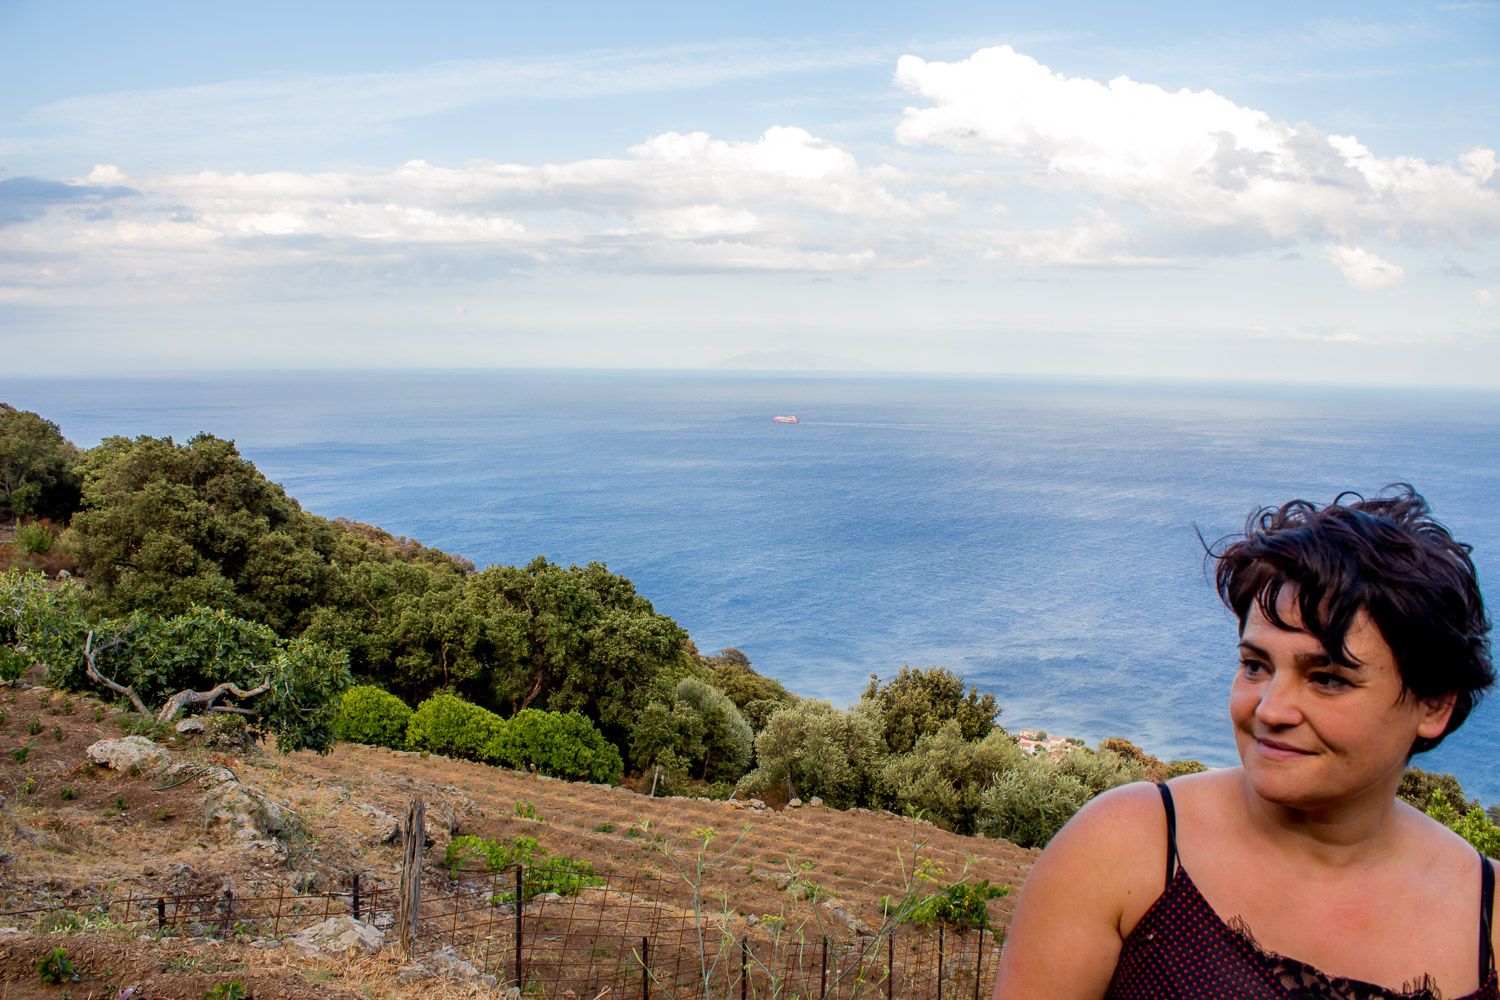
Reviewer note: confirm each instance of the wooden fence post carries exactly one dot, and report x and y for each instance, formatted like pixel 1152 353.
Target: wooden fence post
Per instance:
pixel 408 907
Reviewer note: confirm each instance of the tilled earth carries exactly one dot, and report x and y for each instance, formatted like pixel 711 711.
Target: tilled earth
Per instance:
pixel 72 833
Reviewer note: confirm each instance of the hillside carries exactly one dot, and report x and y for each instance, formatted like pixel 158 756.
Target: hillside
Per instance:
pixel 115 834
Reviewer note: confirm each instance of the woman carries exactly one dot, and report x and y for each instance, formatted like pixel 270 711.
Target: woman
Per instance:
pixel 1299 873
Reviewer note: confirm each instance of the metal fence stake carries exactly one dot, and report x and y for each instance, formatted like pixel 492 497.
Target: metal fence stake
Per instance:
pixel 354 895
pixel 645 970
pixel 744 967
pixel 823 971
pixel 890 964
pixel 979 964
pixel 161 913
pixel 941 958
pixel 520 886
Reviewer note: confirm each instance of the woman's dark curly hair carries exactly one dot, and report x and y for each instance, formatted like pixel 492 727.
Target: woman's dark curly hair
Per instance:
pixel 1386 556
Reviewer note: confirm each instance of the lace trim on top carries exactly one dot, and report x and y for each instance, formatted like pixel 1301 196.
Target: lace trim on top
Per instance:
pixel 1306 982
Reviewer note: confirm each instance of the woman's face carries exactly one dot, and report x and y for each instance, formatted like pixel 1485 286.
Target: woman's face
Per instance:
pixel 1312 732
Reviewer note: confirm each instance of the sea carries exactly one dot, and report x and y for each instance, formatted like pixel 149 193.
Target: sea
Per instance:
pixel 1043 538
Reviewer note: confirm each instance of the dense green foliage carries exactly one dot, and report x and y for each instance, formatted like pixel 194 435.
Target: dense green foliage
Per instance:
pixel 693 728
pixel 158 656
pixel 369 715
pixel 448 725
pixel 1474 825
pixel 1418 788
pixel 37 475
pixel 826 752
pixel 39 623
pixel 561 744
pixel 756 696
pixel 1029 803
pixel 165 527
pixel 917 703
pixel 541 871
pixel 963 904
pixel 945 776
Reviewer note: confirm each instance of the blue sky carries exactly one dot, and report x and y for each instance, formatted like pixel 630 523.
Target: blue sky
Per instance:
pixel 1277 191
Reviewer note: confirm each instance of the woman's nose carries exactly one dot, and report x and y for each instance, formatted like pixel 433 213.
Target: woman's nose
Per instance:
pixel 1278 703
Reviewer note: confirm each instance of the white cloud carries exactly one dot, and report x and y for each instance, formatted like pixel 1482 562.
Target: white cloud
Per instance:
pixel 679 201
pixel 1194 160
pixel 1484 297
pixel 1362 269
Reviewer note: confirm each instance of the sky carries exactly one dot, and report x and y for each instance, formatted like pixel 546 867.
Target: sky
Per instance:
pixel 1285 192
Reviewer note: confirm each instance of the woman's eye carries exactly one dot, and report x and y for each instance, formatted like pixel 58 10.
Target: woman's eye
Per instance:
pixel 1252 667
pixel 1332 681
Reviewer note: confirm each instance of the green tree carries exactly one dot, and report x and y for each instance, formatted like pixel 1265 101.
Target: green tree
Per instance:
pixel 693 728
pixel 1029 803
pixel 39 623
pixel 916 703
pixel 164 665
pixel 945 776
pixel 37 475
pixel 731 673
pixel 165 527
pixel 1418 788
pixel 823 751
pixel 448 725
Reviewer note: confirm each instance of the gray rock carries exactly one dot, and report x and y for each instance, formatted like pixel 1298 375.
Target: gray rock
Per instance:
pixel 387 827
pixel 794 803
pixel 190 727
pixel 337 936
pixel 815 801
pixel 241 807
pixel 837 911
pixel 445 962
pixel 131 754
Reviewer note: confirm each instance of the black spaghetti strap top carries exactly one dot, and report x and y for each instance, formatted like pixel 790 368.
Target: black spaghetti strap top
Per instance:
pixel 1183 950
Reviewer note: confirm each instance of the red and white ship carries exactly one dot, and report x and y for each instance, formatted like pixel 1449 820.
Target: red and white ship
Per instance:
pixel 785 420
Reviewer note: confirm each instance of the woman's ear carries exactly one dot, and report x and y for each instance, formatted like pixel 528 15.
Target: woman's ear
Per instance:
pixel 1436 712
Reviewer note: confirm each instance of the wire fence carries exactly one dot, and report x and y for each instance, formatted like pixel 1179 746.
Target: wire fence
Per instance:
pixel 623 938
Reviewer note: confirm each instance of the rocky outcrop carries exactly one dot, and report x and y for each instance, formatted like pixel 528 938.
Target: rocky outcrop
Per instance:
pixel 246 813
pixel 338 936
pixel 129 754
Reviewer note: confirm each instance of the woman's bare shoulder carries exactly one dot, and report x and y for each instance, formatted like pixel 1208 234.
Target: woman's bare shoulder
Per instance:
pixel 1114 847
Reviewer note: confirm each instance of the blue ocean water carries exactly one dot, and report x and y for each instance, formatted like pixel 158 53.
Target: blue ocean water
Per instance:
pixel 1038 537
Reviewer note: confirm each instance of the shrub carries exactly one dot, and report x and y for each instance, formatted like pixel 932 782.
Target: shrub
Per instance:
pixel 447 724
pixel 371 715
pixel 1099 772
pixel 916 703
pixel 1177 768
pixel 55 967
pixel 1473 825
pixel 561 744
pixel 1030 803
pixel 542 872
pixel 946 775
pixel 962 904
pixel 823 751
pixel 34 538
pixel 1419 787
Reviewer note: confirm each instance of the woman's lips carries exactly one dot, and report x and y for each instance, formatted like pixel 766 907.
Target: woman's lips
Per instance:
pixel 1280 751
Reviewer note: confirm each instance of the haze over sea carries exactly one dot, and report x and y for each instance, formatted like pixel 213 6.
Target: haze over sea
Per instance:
pixel 1037 537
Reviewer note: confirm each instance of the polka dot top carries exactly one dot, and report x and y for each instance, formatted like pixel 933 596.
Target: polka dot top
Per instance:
pixel 1182 949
